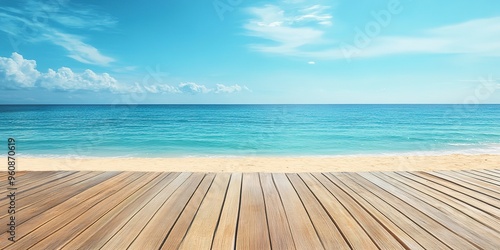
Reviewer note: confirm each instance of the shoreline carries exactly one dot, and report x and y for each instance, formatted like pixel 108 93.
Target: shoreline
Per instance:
pixel 298 164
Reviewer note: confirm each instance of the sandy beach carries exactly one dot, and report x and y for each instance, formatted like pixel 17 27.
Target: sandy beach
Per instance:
pixel 266 164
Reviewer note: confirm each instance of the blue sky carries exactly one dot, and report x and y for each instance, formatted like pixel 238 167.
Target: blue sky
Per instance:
pixel 238 51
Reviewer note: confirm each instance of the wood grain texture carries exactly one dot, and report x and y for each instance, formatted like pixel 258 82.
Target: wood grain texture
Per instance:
pixel 225 236
pixel 138 210
pixel 201 232
pixel 279 229
pixel 253 232
pixel 326 229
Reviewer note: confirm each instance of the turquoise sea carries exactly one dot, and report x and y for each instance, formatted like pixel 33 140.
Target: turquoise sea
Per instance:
pixel 249 130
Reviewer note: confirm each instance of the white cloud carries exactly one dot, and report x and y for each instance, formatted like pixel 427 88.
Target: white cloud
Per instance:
pixel 302 34
pixel 41 21
pixel 221 88
pixel 161 88
pixel 17 72
pixel 65 79
pixel 311 62
pixel 193 88
pixel 79 50
pixel 286 29
pixel 315 13
pixel 475 37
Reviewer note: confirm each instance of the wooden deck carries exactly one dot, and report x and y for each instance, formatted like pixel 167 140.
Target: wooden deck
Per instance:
pixel 134 210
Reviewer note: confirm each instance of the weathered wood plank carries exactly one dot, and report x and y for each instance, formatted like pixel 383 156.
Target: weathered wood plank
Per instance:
pixel 380 210
pixel 63 235
pixel 388 217
pixel 465 182
pixel 154 233
pixel 441 215
pixel 488 200
pixel 416 223
pixel 473 217
pixel 253 232
pixel 303 231
pixel 225 236
pixel 95 236
pixel 50 221
pixel 201 232
pixel 462 202
pixel 279 230
pixel 382 238
pixel 326 229
pixel 481 177
pixel 127 234
pixel 176 235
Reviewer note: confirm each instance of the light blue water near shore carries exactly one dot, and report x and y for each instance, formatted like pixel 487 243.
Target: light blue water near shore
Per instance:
pixel 250 130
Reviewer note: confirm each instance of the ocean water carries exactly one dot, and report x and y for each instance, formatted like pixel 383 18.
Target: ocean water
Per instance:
pixel 250 130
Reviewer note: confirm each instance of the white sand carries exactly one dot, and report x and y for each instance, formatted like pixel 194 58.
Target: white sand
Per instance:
pixel 266 164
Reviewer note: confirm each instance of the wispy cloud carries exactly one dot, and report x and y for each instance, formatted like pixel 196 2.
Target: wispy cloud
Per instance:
pixel 288 30
pixel 77 49
pixel 301 31
pixel 16 72
pixel 477 37
pixel 56 22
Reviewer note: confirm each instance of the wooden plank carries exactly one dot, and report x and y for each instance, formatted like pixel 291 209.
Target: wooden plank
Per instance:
pixel 225 236
pixel 422 224
pixel 57 207
pixel 45 201
pixel 382 238
pixel 475 181
pixel 37 197
pixel 66 233
pixel 397 230
pixel 24 183
pixel 458 196
pixel 463 211
pixel 41 226
pixel 27 183
pixel 201 233
pixel 95 236
pixel 279 230
pixel 353 233
pixel 58 182
pixel 473 237
pixel 464 182
pixel 326 229
pixel 27 189
pixel 460 188
pixel 303 231
pixel 480 177
pixel 491 172
pixel 127 234
pixel 487 175
pixel 253 232
pixel 176 235
pixel 416 210
pixel 154 233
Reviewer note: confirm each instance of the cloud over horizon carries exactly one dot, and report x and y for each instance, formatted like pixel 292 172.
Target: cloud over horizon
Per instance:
pixel 17 72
